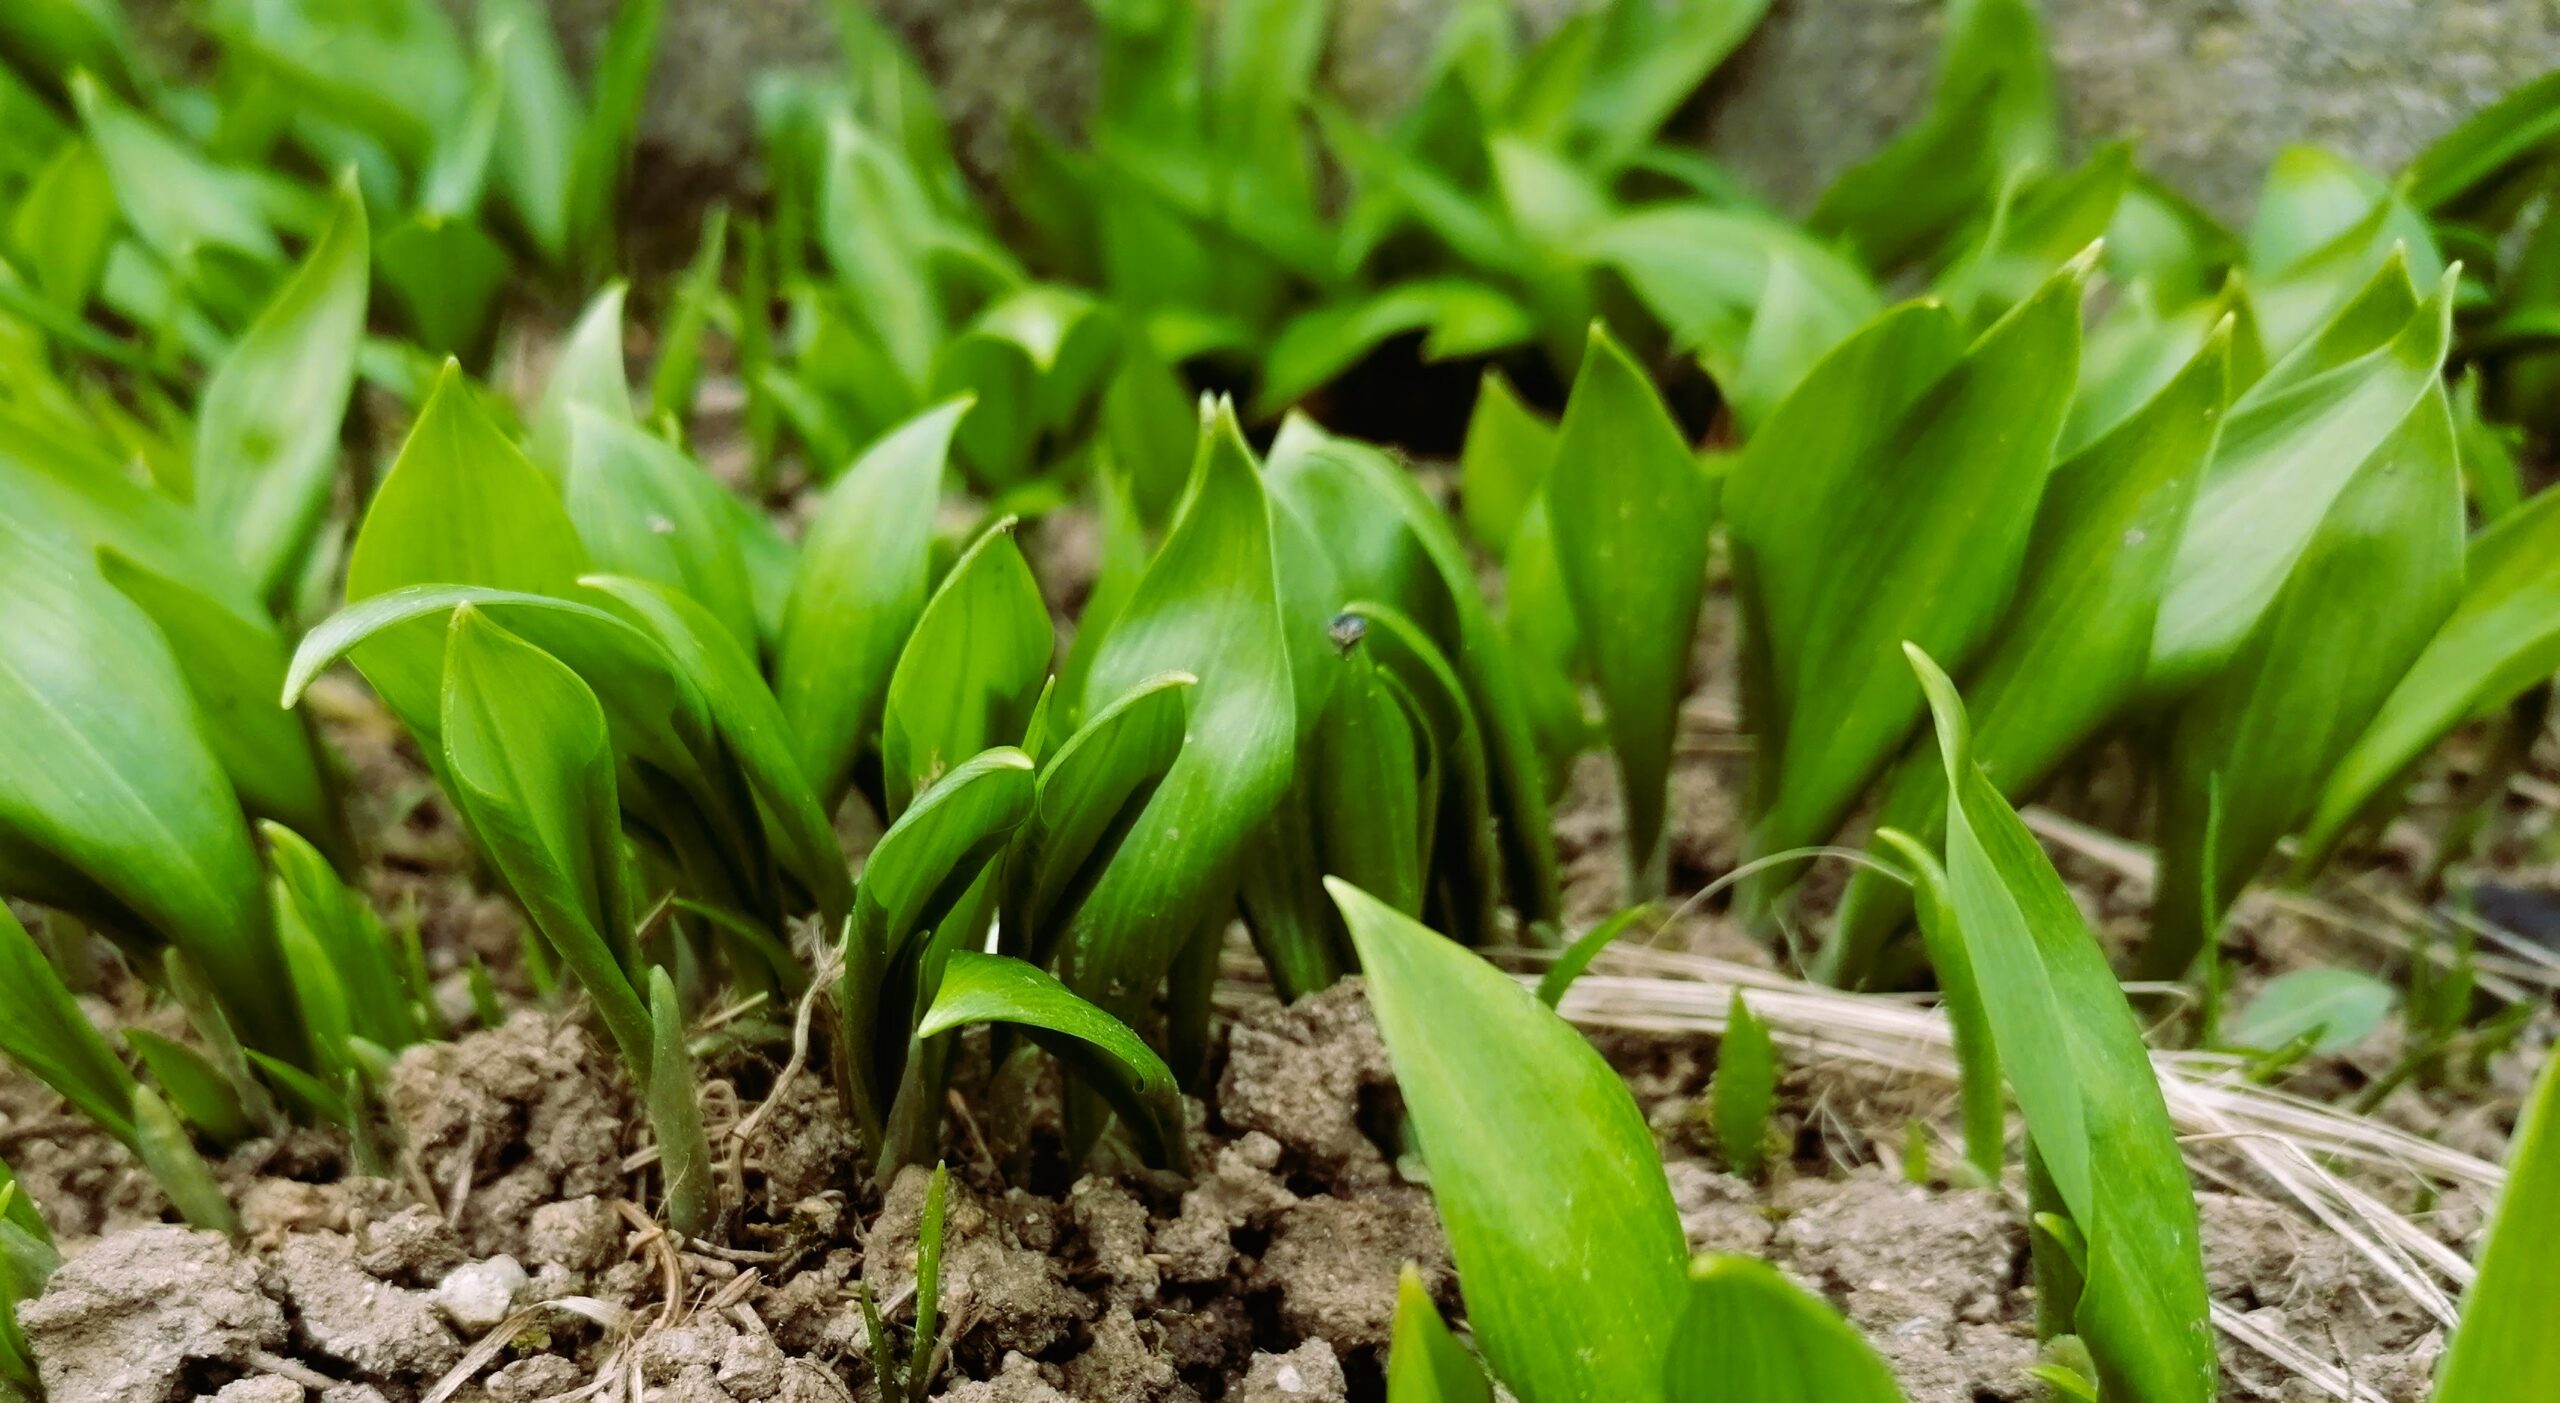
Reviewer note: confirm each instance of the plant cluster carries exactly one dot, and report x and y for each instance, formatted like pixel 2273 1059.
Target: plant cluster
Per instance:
pixel 2221 513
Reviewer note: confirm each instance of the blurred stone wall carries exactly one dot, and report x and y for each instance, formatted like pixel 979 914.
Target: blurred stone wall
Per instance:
pixel 2213 88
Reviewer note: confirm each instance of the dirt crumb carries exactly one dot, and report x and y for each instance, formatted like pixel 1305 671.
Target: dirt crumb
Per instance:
pixel 1718 1212
pixel 1113 1224
pixel 517 1117
pixel 1199 1245
pixel 412 1247
pixel 1125 1364
pixel 751 1368
pixel 260 1388
pixel 1300 1075
pixel 583 1234
pixel 1929 1276
pixel 534 1378
pixel 1336 1262
pixel 2302 1282
pixel 1020 1381
pixel 999 1293
pixel 1308 1374
pixel 384 1330
pixel 125 1317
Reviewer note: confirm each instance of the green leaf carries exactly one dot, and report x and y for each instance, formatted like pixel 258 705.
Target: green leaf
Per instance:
pixel 445 275
pixel 672 385
pixel 267 427
pixel 645 509
pixel 1209 605
pixel 1425 1363
pixel 1630 507
pixel 2039 224
pixel 2334 1008
pixel 751 723
pixel 1547 1182
pixel 684 1155
pixel 1364 781
pixel 199 1093
pixel 1991 115
pixel 931 855
pixel 1749 1335
pixel 105 771
pixel 43 1030
pixel 2489 143
pixel 2375 582
pixel 1746 1090
pixel 2502 637
pixel 524 744
pixel 1354 496
pixel 2289 447
pixel 1460 318
pixel 864 570
pixel 309 892
pixel 2504 1346
pixel 969 675
pixel 1738 287
pixel 2069 658
pixel 460 506
pixel 538 127
pixel 2074 1055
pixel 1649 59
pixel 655 712
pixel 586 371
pixel 234 666
pixel 982 988
pixel 182 206
pixel 1985 1108
pixel 1091 788
pixel 1034 361
pixel 617 88
pixel 1508 448
pixel 1908 519
pixel 162 1144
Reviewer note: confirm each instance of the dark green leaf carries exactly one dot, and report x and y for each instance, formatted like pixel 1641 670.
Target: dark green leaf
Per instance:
pixel 200 1094
pixel 105 771
pixel 1630 507
pixel 2374 583
pixel 861 587
pixel 2502 637
pixel 1908 519
pixel 981 988
pixel 2070 656
pixel 968 677
pixel 234 667
pixel 524 744
pixel 1209 605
